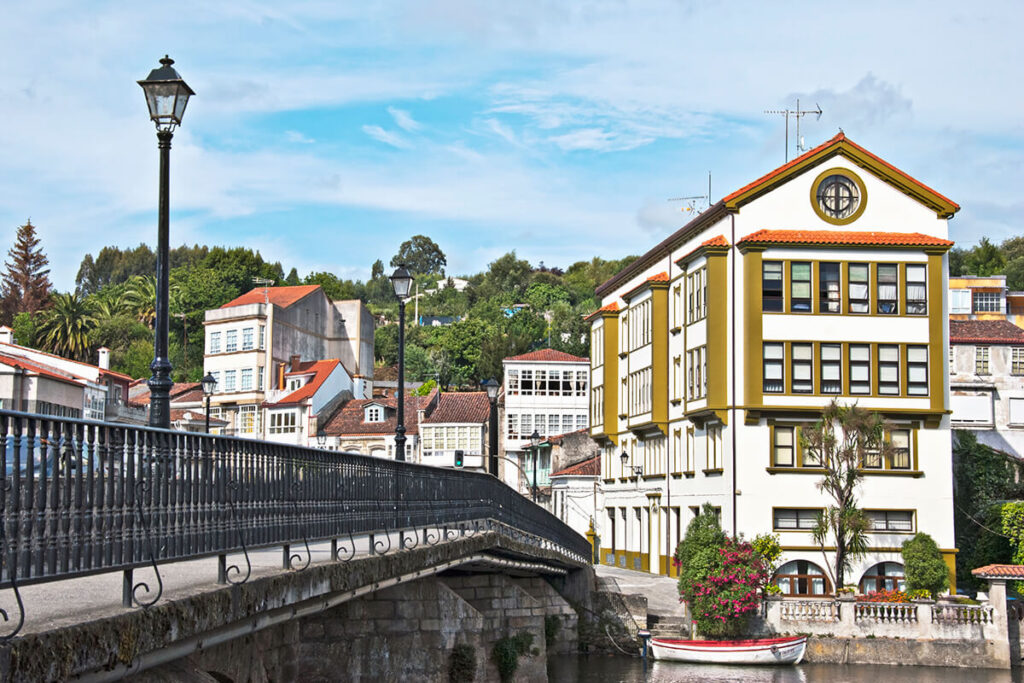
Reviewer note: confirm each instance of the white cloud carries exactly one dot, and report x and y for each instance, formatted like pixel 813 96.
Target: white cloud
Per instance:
pixel 598 140
pixel 386 136
pixel 296 136
pixel 404 120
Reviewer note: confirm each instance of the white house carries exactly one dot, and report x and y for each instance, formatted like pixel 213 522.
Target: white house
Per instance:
pixel 823 279
pixel 576 494
pixel 458 423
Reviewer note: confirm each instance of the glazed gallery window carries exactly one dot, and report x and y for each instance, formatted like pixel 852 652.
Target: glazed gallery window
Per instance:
pixel 229 380
pixel 860 369
pixel 800 287
pixel 831 368
pixel 773 376
pixel 888 288
pixel 981 360
pixel 247 339
pixel 803 363
pixel 888 369
pixel 771 286
pixel 231 343
pixel 987 302
pixel 917 290
pixel 215 342
pixel 1016 360
pixel 858 287
pixel 829 292
pixel 282 423
pixel 883 576
pixel 917 370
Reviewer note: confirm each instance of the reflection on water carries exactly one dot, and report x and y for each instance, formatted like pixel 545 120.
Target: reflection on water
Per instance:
pixel 603 669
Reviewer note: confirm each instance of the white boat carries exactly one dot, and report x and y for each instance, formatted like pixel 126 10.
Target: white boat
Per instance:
pixel 761 651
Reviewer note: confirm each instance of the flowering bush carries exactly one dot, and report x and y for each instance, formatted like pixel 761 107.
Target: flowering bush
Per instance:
pixel 884 596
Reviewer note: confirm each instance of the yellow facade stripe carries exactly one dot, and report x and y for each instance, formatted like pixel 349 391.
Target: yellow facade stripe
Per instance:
pixel 717 330
pixel 659 352
pixel 937 344
pixel 752 329
pixel 611 372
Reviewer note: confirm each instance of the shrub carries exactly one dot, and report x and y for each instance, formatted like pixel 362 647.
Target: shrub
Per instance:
pixel 884 596
pixel 923 565
pixel 552 625
pixel 462 664
pixel 507 652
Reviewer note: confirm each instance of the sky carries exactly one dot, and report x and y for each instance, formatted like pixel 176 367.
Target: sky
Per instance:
pixel 324 134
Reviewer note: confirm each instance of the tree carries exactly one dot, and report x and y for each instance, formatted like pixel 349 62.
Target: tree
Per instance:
pixel 984 259
pixel 140 299
pixel 26 282
pixel 841 442
pixel 923 565
pixel 421 255
pixel 66 326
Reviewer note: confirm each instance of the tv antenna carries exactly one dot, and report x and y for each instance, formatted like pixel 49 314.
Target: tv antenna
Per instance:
pixel 692 201
pixel 797 113
pixel 266 283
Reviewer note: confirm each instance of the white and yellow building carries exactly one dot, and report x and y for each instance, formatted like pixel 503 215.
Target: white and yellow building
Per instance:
pixel 824 279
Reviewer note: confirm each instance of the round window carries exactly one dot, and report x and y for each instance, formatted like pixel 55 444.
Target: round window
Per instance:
pixel 838 196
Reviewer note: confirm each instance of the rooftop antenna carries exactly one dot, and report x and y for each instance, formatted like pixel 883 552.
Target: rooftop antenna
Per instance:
pixel 266 283
pixel 692 201
pixel 797 113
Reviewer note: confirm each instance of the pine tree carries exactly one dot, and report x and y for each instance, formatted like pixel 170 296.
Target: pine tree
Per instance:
pixel 26 283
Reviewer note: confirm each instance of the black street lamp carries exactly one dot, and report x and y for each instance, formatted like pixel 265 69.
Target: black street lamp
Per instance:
pixel 321 438
pixel 638 470
pixel 535 447
pixel 492 431
pixel 166 96
pixel 401 281
pixel 209 386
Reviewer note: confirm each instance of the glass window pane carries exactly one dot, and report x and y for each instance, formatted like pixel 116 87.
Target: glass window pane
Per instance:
pixel 773 351
pixel 831 352
pixel 888 353
pixel 784 436
pixel 861 353
pixel 830 372
pixel 802 290
pixel 916 373
pixel 773 371
pixel 917 354
pixel 859 373
pixel 858 271
pixel 802 351
pixel 858 291
pixel 915 273
pixel 887 373
pixel 887 273
pixel 801 271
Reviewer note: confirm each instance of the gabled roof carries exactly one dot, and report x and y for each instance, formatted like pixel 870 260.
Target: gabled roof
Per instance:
pixel 656 278
pixel 587 468
pixel 984 332
pixel 180 392
pixel 1000 571
pixel 717 242
pixel 548 356
pixel 613 307
pixel 844 238
pixel 470 407
pixel 321 370
pixel 349 420
pixel 34 355
pixel 279 296
pixel 840 144
pixel 39 369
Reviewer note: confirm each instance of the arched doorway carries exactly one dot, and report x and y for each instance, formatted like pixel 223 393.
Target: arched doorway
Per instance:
pixel 802 578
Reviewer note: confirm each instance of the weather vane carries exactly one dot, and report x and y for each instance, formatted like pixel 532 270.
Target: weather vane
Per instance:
pixel 797 113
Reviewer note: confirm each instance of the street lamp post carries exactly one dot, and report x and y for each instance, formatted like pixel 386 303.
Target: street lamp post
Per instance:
pixel 166 96
pixel 321 439
pixel 638 470
pixel 401 281
pixel 492 432
pixel 209 386
pixel 535 447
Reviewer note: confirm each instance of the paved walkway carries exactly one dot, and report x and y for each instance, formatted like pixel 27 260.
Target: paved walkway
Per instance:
pixel 661 591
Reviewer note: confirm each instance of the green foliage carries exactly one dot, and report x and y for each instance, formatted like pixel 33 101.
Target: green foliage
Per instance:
pixel 1012 515
pixel 426 388
pixel 552 625
pixel 24 327
pixel 334 288
pixel 462 664
pixel 508 650
pixel 697 554
pixel 25 286
pixel 985 259
pixel 118 333
pixel 768 548
pixel 923 565
pixel 421 255
pixel 65 327
pixel 114 266
pixel 135 360
pixel 419 367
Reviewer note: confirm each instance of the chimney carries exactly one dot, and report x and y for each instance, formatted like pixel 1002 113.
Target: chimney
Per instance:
pixel 293 362
pixel 104 358
pixel 6 335
pixel 280 376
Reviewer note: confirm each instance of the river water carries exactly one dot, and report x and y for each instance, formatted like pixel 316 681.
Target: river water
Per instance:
pixel 606 669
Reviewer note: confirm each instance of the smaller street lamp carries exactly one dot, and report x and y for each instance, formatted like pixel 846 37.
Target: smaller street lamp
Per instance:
pixel 209 386
pixel 321 438
pixel 535 446
pixel 638 470
pixel 401 282
pixel 492 387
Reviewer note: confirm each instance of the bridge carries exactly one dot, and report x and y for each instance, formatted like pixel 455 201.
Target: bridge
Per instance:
pixel 382 567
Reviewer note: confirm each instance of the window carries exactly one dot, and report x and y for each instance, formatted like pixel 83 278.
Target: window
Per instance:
pixel 1016 411
pixel 259 375
pixel 784 448
pixel 884 576
pixel 803 375
pixel 246 383
pixel 981 360
pixel 888 288
pixel 513 426
pixel 247 339
pixel 677 306
pixel 888 369
pixel 899 440
pixel 282 423
pixel 229 380
pixel 773 357
pixel 917 370
pixel 581 382
pixel 263 336
pixel 526 383
pixel 1016 360
pixel 801 577
pixel 216 381
pixel 860 369
pixel 581 422
pixel 247 419
pixel 374 414
pixel 829 294
pixel 800 287
pixel 959 301
pixel 512 382
pixel 791 519
pixel 831 368
pixel 540 384
pixel 714 448
pixel 677 378
pixel 697 286
pixel 215 342
pixel 231 343
pixel 917 291
pixel 858 293
pixel 525 425
pixel 987 302
pixel 838 197
pixel 771 286
pixel 890 520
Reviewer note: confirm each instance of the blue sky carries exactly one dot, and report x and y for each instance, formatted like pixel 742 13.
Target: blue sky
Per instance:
pixel 326 133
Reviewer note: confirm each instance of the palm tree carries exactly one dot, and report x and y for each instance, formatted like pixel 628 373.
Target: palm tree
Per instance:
pixel 66 325
pixel 140 298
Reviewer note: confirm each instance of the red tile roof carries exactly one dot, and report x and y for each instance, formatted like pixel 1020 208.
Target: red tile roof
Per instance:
pixel 195 415
pixel 321 370
pixel 844 237
pixel 16 350
pixel 1000 571
pixel 548 356
pixel 279 296
pixel 587 468
pixel 716 241
pixel 984 332
pixel 658 277
pixel 183 392
pixel 349 420
pixel 610 308
pixel 461 408
pixel 38 369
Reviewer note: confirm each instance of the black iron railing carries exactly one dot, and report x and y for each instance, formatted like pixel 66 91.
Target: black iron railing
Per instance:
pixel 81 497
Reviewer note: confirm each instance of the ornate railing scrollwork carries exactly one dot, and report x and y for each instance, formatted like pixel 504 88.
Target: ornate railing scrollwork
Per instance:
pixel 12 573
pixel 141 490
pixel 233 487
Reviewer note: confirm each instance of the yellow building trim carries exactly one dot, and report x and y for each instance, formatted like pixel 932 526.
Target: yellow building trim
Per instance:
pixel 659 352
pixel 937 345
pixel 717 349
pixel 611 374
pixel 846 173
pixel 752 327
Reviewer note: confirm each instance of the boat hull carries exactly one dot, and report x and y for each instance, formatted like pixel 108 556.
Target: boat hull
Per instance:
pixel 758 652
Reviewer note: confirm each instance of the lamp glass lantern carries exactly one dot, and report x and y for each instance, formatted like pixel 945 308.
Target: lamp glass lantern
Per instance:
pixel 491 387
pixel 625 459
pixel 535 439
pixel 321 438
pixel 166 95
pixel 209 384
pixel 401 281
